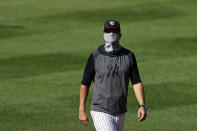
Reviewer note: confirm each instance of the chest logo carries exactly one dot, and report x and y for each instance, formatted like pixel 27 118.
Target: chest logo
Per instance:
pixel 112 70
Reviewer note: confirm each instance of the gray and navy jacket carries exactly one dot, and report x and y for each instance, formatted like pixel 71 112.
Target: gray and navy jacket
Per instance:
pixel 110 73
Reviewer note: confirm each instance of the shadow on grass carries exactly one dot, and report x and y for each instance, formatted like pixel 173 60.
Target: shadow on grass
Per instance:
pixel 133 13
pixel 170 94
pixel 10 30
pixel 32 65
pixel 168 48
pixel 10 27
pixel 165 95
pixel 83 19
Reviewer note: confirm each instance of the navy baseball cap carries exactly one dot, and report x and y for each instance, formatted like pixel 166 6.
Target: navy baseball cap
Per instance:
pixel 112 24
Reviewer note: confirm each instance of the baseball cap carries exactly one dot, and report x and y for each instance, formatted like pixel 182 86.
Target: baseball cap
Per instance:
pixel 112 24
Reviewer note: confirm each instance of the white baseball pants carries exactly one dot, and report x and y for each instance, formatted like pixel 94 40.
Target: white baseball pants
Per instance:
pixel 107 122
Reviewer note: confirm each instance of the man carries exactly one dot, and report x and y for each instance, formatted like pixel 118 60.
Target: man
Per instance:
pixel 110 67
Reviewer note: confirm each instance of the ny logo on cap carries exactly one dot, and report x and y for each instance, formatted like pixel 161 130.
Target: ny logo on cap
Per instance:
pixel 111 22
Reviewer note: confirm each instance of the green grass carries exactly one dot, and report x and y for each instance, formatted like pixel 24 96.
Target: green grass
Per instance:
pixel 44 46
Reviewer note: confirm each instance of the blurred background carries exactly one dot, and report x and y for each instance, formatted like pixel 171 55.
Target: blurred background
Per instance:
pixel 45 44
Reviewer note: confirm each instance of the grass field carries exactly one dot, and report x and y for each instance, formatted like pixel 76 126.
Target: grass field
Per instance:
pixel 44 46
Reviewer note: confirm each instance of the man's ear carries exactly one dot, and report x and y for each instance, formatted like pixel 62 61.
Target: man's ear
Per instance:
pixel 120 35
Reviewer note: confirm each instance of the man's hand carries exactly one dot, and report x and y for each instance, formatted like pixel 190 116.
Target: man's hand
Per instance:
pixel 83 117
pixel 141 114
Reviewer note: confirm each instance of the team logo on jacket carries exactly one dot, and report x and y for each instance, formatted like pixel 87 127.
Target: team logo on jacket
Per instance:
pixel 112 70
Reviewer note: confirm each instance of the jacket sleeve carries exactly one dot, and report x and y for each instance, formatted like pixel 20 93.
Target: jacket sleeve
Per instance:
pixel 89 72
pixel 134 73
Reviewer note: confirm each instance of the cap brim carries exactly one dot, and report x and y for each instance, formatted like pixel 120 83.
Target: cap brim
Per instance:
pixel 111 28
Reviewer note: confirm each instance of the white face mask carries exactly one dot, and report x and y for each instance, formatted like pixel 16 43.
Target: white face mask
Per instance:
pixel 111 37
pixel 112 42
